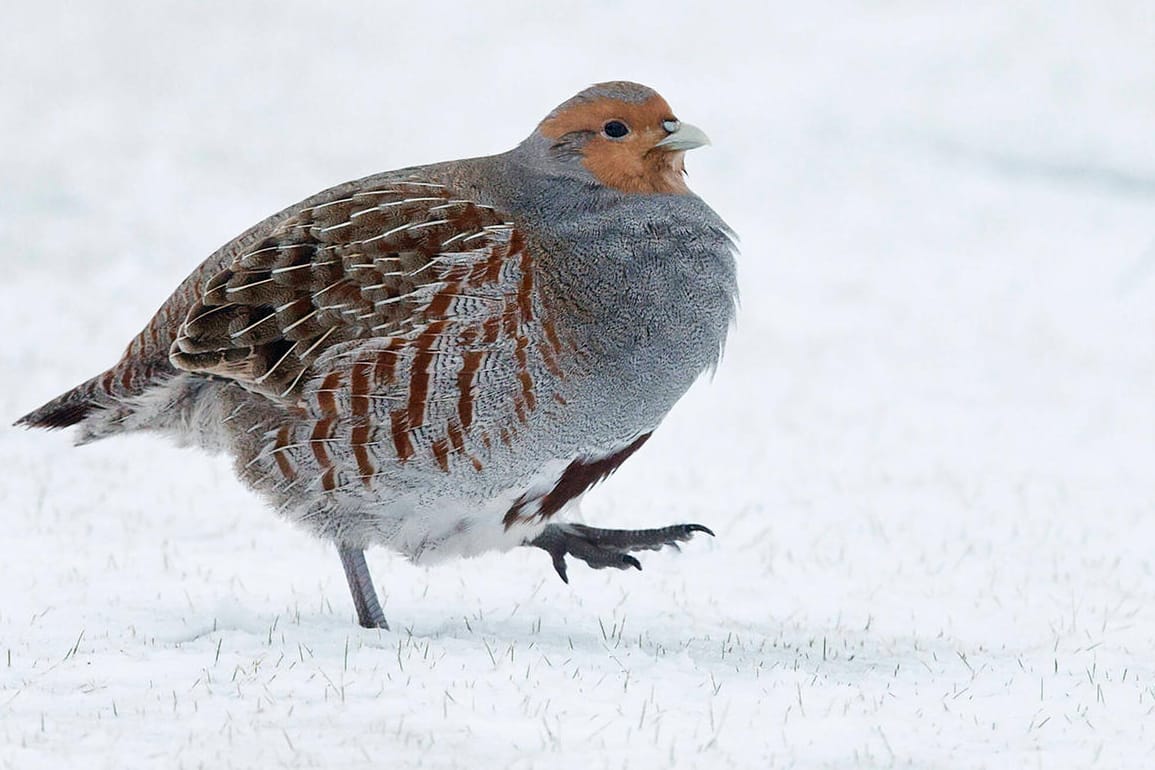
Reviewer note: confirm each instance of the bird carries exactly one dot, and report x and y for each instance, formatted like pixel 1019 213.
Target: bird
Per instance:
pixel 441 360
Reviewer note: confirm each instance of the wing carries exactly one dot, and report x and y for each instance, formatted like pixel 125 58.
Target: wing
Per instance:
pixel 402 325
pixel 374 263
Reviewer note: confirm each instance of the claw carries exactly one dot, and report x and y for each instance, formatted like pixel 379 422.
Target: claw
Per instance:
pixel 559 565
pixel 601 548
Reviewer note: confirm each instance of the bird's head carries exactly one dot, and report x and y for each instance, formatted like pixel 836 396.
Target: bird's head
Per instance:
pixel 623 134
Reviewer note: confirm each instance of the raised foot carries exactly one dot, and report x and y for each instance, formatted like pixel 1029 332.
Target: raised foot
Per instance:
pixel 601 548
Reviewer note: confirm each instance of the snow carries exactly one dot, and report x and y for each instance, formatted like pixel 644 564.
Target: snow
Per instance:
pixel 927 453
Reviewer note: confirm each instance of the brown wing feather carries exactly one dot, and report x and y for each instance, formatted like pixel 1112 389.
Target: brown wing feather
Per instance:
pixel 342 270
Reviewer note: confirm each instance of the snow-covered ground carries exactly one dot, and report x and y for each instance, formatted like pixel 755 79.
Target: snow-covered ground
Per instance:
pixel 928 454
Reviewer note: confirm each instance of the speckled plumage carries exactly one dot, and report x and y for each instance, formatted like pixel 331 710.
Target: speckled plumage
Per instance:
pixel 437 359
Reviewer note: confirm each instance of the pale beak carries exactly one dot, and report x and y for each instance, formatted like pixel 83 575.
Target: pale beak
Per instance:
pixel 687 137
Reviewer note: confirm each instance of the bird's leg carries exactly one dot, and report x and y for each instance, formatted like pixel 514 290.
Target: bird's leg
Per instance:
pixel 601 548
pixel 369 612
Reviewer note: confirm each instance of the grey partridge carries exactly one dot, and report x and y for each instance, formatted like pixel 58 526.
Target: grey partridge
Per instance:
pixel 439 359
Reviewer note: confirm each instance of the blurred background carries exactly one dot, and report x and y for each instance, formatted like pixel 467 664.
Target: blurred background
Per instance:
pixel 930 444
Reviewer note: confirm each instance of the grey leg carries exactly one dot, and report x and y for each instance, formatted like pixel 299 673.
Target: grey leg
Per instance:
pixel 369 612
pixel 601 548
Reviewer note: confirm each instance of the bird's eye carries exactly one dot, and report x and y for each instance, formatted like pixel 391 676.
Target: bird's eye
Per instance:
pixel 670 125
pixel 615 129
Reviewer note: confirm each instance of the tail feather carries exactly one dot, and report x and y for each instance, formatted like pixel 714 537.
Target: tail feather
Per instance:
pixel 65 410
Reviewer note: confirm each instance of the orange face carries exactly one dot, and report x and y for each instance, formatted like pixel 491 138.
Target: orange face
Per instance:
pixel 620 143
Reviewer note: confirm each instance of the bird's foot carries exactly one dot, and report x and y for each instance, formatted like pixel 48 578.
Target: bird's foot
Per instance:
pixel 601 548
